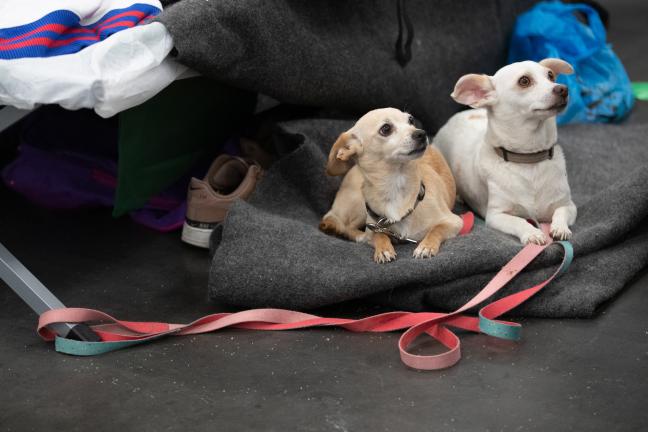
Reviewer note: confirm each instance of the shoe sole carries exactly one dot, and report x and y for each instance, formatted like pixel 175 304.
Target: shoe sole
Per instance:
pixel 198 237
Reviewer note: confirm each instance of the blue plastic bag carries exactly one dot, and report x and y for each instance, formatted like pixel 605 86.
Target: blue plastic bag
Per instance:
pixel 599 90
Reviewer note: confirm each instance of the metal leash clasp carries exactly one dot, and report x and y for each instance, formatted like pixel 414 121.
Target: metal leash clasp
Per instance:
pixel 384 223
pixel 382 227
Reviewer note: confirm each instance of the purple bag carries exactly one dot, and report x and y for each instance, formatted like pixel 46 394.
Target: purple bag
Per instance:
pixel 60 179
pixel 68 160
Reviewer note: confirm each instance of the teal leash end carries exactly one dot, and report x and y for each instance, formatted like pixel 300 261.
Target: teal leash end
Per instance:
pixel 569 257
pixel 84 349
pixel 500 330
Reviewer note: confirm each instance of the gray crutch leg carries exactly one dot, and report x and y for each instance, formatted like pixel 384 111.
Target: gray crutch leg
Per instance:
pixel 37 296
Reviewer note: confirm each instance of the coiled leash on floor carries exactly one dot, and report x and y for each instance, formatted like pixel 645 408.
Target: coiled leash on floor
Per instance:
pixel 116 334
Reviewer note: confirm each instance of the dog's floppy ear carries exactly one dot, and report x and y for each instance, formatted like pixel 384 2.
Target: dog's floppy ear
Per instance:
pixel 340 158
pixel 557 66
pixel 474 90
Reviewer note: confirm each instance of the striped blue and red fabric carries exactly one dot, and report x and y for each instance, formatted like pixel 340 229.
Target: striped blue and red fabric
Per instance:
pixel 64 31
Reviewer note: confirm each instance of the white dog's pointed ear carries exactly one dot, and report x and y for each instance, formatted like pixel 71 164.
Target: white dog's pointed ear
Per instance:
pixel 474 90
pixel 557 66
pixel 340 159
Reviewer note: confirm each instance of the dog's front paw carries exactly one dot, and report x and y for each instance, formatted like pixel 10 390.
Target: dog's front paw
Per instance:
pixel 362 238
pixel 384 255
pixel 534 236
pixel 560 231
pixel 425 251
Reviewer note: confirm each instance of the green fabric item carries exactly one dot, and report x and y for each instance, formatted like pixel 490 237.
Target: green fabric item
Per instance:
pixel 162 139
pixel 640 90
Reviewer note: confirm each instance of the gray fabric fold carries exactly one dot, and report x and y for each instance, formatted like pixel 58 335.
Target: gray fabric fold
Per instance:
pixel 342 54
pixel 270 252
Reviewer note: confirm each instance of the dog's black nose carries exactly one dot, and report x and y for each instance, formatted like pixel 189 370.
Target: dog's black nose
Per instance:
pixel 561 90
pixel 419 135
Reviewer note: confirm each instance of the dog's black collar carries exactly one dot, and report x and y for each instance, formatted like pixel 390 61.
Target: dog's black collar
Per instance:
pixel 383 223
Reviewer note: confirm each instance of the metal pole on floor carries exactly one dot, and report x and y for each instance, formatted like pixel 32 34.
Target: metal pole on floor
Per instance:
pixel 22 281
pixel 37 296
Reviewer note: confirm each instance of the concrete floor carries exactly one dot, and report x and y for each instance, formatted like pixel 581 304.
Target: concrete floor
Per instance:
pixel 582 375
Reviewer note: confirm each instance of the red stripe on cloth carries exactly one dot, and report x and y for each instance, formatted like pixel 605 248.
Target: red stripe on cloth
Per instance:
pixel 54 43
pixel 57 28
pixel 117 24
pixel 96 28
pixel 47 42
pixel 136 14
pixel 79 30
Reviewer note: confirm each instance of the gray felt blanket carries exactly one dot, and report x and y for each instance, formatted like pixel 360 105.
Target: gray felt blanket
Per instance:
pixel 270 253
pixel 352 55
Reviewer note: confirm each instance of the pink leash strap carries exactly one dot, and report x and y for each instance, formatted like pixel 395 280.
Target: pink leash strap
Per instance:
pixel 116 334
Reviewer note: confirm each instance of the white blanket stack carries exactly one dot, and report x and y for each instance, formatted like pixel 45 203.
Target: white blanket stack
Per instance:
pixel 100 54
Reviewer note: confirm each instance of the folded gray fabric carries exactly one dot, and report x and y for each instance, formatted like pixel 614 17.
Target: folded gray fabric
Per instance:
pixel 270 252
pixel 353 55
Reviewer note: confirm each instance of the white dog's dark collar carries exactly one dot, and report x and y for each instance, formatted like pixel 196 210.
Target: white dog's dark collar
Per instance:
pixel 526 158
pixel 383 223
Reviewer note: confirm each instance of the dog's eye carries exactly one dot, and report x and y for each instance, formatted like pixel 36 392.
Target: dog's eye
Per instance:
pixel 551 76
pixel 385 129
pixel 410 120
pixel 524 81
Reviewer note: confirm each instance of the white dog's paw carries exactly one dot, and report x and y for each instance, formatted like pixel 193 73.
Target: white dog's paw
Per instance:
pixel 384 256
pixel 425 251
pixel 560 231
pixel 535 236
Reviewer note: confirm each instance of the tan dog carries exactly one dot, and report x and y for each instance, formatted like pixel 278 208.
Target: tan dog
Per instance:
pixel 399 185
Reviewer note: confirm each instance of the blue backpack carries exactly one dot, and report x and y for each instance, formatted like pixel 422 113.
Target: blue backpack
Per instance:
pixel 599 89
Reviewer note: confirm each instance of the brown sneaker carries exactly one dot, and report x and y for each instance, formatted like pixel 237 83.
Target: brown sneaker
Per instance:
pixel 208 200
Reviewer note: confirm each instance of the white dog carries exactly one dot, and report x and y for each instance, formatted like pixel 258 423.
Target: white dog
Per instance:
pixel 505 156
